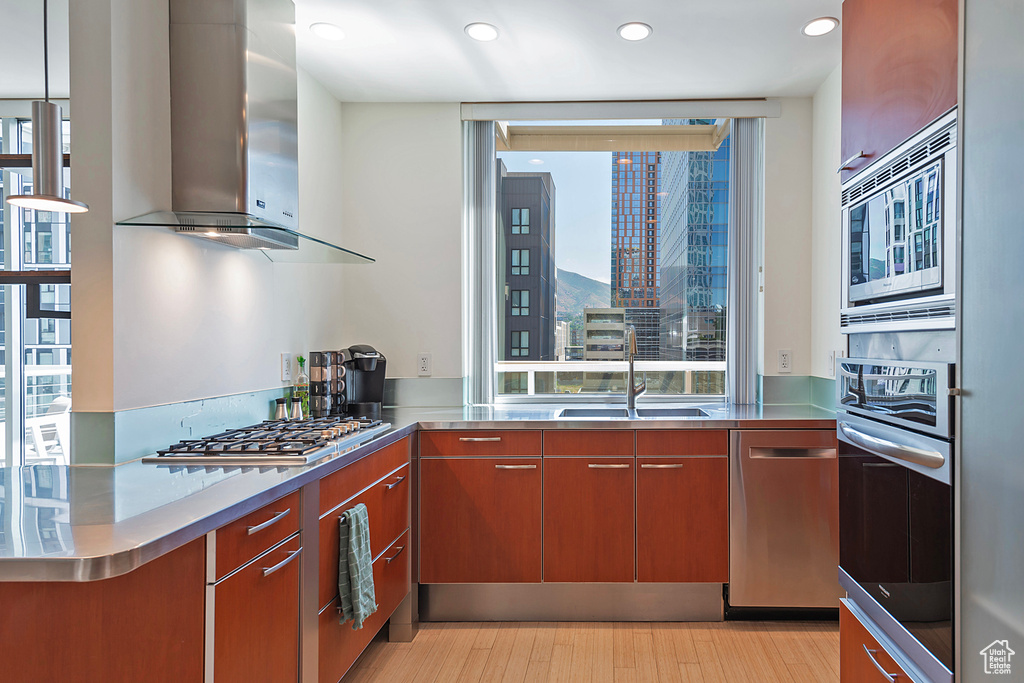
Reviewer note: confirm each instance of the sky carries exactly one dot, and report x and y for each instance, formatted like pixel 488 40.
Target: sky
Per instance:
pixel 583 206
pixel 583 200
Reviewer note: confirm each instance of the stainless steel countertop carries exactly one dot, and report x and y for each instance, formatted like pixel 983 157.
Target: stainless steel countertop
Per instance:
pixel 85 523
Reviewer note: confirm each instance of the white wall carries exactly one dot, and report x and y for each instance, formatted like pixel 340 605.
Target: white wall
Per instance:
pixel 787 242
pixel 401 192
pixel 826 229
pixel 160 318
pixel 195 319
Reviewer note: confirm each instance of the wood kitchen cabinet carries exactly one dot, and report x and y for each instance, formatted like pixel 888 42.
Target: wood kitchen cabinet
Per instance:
pixel 339 644
pixel 480 520
pixel 256 619
pixel 588 519
pixel 899 72
pixel 857 648
pixel 146 625
pixel 383 482
pixel 682 511
pixel 682 519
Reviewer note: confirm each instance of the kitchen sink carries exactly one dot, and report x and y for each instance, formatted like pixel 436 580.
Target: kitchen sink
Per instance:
pixel 670 412
pixel 593 412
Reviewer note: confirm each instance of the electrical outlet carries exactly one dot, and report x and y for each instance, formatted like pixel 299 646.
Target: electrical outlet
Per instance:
pixel 785 360
pixel 286 367
pixel 423 365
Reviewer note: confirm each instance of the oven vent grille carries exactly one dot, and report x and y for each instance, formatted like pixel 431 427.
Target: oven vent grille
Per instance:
pixel 917 155
pixel 904 315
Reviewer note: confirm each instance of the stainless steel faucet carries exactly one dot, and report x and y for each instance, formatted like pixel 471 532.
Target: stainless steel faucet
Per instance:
pixel 632 388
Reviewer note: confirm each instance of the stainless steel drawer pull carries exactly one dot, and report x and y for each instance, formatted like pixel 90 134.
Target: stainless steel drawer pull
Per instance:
pixel 515 467
pixel 478 439
pixel 651 466
pixel 871 655
pixel 395 483
pixel 595 466
pixel 276 518
pixel 389 560
pixel 267 571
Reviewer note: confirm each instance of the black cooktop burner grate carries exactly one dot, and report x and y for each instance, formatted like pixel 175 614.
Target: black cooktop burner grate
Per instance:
pixel 271 438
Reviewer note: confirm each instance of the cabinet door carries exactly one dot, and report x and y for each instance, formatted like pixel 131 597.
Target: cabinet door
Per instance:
pixel 588 519
pixel 256 616
pixel 899 72
pixel 857 649
pixel 340 645
pixel 480 520
pixel 682 519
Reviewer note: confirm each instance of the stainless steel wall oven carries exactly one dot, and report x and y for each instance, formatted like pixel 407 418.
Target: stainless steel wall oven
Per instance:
pixel 896 504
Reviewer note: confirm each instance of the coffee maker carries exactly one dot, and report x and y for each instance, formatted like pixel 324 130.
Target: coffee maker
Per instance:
pixel 364 381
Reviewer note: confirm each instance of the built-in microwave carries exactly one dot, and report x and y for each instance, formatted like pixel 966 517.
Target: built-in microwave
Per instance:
pixel 899 236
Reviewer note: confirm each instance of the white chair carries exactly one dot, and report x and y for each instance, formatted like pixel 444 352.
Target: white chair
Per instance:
pixel 49 435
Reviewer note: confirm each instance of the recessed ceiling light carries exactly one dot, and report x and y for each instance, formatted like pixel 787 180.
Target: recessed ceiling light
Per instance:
pixel 624 161
pixel 819 26
pixel 482 32
pixel 326 31
pixel 635 30
pixel 536 162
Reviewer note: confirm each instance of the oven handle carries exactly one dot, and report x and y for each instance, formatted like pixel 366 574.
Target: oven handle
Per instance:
pixel 891 449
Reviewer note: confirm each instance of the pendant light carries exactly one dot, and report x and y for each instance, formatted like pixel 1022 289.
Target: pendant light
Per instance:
pixel 47 151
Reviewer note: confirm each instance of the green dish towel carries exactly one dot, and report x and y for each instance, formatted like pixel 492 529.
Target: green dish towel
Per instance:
pixel 355 567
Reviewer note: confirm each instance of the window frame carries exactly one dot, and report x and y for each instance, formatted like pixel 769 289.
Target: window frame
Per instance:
pixel 33 380
pixel 740 365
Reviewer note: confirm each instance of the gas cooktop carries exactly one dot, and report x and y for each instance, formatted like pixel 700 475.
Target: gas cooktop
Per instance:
pixel 275 442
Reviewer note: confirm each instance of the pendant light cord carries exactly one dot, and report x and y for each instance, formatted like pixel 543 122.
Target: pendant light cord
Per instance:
pixel 46 56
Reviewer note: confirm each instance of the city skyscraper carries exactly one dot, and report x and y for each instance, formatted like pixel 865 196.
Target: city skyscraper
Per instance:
pixel 526 230
pixel 635 271
pixel 635 277
pixel 694 230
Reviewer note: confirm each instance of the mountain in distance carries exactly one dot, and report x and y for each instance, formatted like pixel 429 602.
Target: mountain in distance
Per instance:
pixel 576 292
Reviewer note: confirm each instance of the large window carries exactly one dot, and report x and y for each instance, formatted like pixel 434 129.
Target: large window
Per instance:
pixel 619 239
pixel 36 370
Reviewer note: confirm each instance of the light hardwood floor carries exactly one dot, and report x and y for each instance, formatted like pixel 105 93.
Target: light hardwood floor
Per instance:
pixel 759 652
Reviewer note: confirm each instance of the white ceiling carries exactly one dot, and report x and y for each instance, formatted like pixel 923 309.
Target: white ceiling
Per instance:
pixel 21 49
pixel 416 50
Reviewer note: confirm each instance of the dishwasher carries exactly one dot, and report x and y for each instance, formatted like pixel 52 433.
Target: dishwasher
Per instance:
pixel 783 519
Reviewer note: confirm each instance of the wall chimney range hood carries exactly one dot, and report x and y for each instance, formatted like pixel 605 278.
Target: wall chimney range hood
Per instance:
pixel 234 123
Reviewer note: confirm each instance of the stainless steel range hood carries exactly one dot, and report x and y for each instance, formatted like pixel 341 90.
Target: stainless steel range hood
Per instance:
pixel 234 128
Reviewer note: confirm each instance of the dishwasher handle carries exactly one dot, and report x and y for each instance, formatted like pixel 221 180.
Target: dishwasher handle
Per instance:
pixel 759 453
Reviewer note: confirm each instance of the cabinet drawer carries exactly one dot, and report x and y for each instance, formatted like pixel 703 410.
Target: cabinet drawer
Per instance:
pixel 256 619
pixel 481 520
pixel 351 479
pixel 682 442
pixel 857 648
pixel 247 537
pixel 387 504
pixel 588 442
pixel 340 646
pixel 479 442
